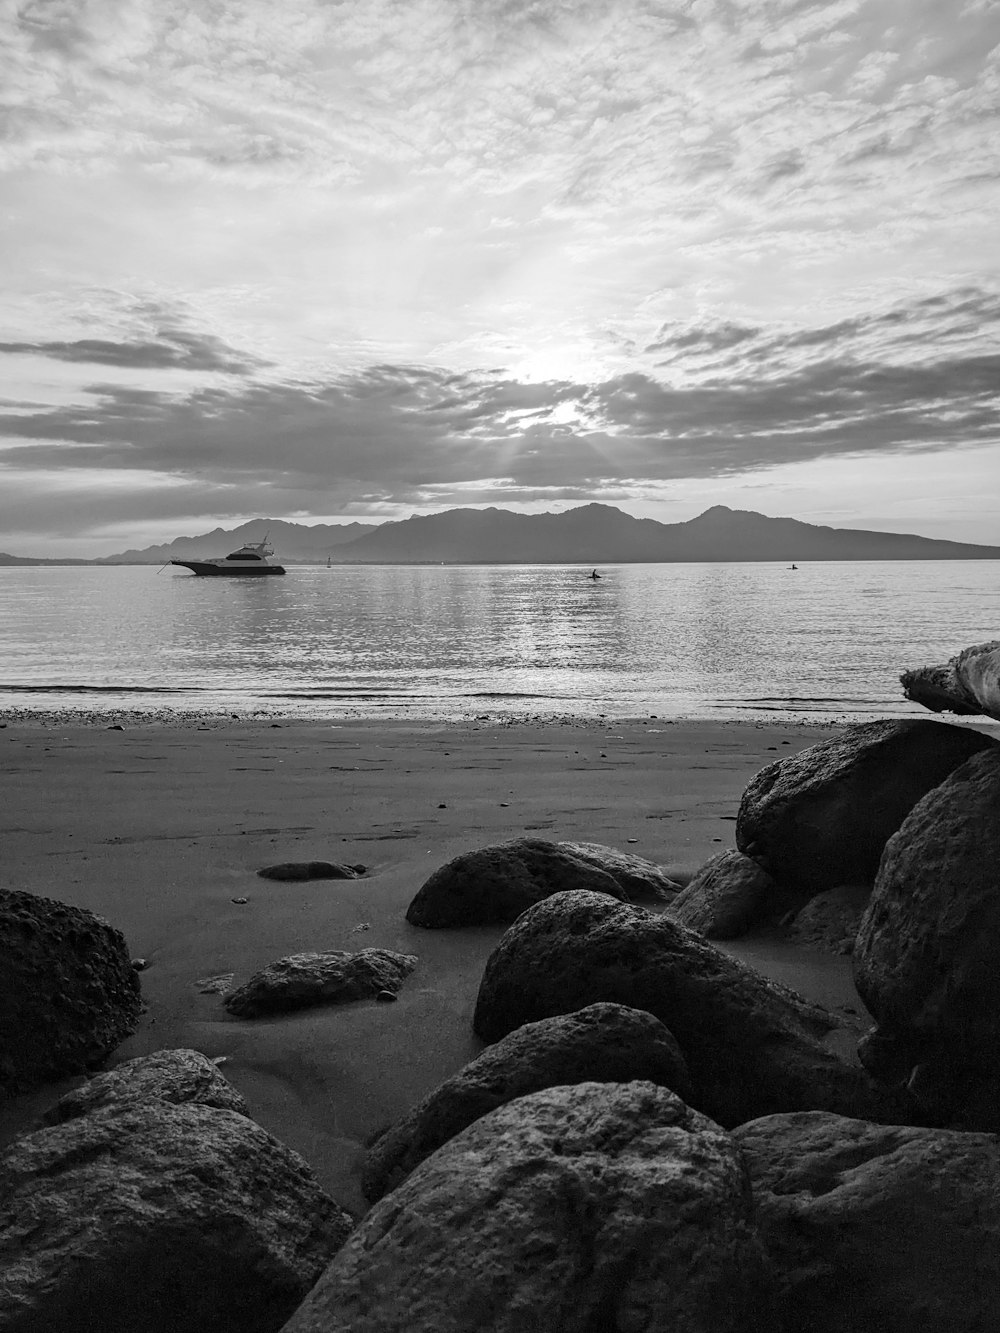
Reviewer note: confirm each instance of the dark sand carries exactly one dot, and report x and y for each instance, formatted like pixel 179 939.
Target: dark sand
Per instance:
pixel 158 828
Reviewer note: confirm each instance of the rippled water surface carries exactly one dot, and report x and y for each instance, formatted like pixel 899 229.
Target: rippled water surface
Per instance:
pixel 827 640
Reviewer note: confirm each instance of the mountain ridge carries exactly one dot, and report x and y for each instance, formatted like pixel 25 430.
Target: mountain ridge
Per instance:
pixel 594 533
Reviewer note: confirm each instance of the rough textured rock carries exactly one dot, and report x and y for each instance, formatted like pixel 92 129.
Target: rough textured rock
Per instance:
pixel 830 921
pixel 634 875
pixel 604 1043
pixel 68 991
pixel 966 683
pixel 496 884
pixel 304 979
pixel 600 1206
pixel 752 1046
pixel 166 1076
pixel 925 960
pixel 822 817
pixel 168 1219
pixel 728 895
pixel 299 870
pixel 877 1228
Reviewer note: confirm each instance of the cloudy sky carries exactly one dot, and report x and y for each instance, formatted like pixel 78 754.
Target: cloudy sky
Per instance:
pixel 357 259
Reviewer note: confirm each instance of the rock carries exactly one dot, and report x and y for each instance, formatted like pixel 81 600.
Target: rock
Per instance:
pixel 166 1076
pixel 496 884
pixel 925 957
pixel 217 985
pixel 160 1218
pixel 752 1046
pixel 299 870
pixel 877 1228
pixel 304 979
pixel 966 683
pixel 637 877
pixel 599 1206
pixel 604 1043
pixel 728 895
pixel 820 818
pixel 830 921
pixel 68 991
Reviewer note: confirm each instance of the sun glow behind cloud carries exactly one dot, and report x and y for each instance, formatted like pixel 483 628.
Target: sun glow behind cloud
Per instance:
pixel 607 249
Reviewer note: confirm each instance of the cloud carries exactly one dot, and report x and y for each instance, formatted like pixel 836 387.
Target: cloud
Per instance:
pixel 171 351
pixel 393 434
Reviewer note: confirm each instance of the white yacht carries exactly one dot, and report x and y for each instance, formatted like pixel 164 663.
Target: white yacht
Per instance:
pixel 250 561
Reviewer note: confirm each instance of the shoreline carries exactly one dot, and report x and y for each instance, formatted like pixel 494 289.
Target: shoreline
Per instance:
pixel 161 830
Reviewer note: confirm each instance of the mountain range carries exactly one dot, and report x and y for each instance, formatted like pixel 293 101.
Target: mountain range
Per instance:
pixel 590 534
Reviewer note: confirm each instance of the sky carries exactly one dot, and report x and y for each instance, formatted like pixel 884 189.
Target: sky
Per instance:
pixel 351 260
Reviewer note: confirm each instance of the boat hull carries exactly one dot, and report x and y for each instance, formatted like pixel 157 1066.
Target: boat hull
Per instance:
pixel 207 569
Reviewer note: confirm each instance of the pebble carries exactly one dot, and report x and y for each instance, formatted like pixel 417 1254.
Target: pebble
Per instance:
pixel 239 901
pixel 386 996
pixel 140 964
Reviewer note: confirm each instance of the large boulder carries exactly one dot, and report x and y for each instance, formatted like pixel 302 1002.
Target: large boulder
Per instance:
pixel 68 991
pixel 877 1228
pixel 821 817
pixel 729 895
pixel 604 1043
pixel 925 959
pixel 168 1219
pixel 305 979
pixel 164 1076
pixel 967 683
pixel 752 1046
pixel 599 1206
pixel 496 884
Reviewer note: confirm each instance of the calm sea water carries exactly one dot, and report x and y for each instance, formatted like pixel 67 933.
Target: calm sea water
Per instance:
pixel 826 641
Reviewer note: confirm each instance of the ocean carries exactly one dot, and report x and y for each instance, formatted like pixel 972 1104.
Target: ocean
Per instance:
pixel 724 641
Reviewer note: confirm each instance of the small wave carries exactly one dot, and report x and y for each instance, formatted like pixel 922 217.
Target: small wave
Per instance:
pixel 511 694
pixel 342 694
pixel 102 689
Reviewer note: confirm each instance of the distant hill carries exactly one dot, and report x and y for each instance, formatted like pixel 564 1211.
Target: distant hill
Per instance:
pixel 6 559
pixel 291 541
pixel 590 534
pixel 602 534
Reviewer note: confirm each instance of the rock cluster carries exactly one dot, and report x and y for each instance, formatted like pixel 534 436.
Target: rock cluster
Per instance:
pixel 597 1206
pixel 607 1043
pixel 658 1138
pixel 822 817
pixel 751 1045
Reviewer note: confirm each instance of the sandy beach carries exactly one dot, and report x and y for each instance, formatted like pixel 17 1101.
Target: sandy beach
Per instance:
pixel 160 827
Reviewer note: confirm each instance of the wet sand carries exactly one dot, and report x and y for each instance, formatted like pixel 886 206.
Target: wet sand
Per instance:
pixel 158 828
